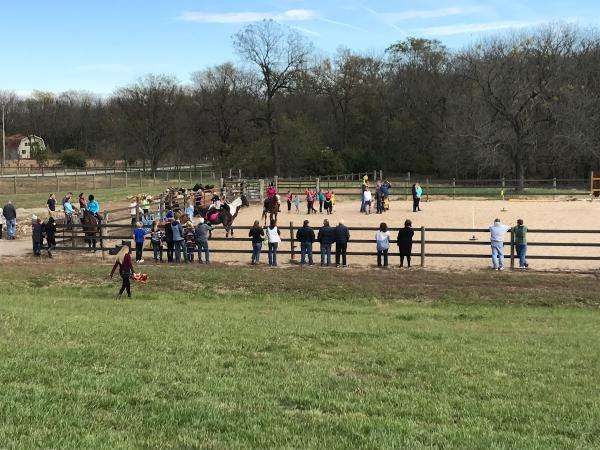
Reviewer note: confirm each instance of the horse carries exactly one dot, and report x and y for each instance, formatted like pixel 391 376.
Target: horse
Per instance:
pixel 271 206
pixel 91 228
pixel 226 215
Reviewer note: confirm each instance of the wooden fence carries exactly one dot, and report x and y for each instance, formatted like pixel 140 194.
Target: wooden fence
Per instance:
pixel 71 238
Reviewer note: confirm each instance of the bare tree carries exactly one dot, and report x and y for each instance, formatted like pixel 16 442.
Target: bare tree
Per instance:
pixel 280 55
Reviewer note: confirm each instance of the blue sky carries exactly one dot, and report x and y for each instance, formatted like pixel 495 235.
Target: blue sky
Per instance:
pixel 99 45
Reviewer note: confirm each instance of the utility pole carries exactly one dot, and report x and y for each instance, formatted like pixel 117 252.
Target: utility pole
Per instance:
pixel 3 141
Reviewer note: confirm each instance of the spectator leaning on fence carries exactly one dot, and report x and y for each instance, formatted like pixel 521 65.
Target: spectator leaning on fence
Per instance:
pixel 273 240
pixel 383 244
pixel 326 238
pixel 156 238
pixel 138 236
pixel 10 215
pixel 342 236
pixel 497 232
pixel 405 241
pixel 257 234
pixel 521 243
pixel 189 236
pixel 202 234
pixel 178 241
pixel 306 237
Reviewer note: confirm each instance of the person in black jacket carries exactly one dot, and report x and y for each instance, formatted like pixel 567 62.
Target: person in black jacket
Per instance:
pixel 37 235
pixel 169 239
pixel 257 234
pixel 326 238
pixel 405 240
pixel 306 236
pixel 342 236
pixel 50 229
pixel 10 215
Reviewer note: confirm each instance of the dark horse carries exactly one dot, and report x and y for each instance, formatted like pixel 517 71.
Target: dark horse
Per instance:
pixel 91 228
pixel 226 215
pixel 270 206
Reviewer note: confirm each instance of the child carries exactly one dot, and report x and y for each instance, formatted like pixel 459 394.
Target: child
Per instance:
pixel 297 202
pixel 289 201
pixel 190 240
pixel 190 210
pixel 332 201
pixel 139 235
pixel 156 237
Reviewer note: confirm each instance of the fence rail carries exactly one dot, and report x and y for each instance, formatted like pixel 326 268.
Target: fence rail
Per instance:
pixel 71 237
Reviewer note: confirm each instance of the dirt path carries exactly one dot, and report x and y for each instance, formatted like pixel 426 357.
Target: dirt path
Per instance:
pixel 19 247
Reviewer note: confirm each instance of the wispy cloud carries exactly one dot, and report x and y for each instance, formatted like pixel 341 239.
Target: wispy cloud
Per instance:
pixel 291 15
pixel 422 14
pixel 343 24
pixel 449 30
pixel 306 31
pixel 103 68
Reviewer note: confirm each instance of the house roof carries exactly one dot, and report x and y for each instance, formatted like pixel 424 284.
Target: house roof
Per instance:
pixel 13 141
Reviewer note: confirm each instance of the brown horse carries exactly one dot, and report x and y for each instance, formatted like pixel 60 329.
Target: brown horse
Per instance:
pixel 270 206
pixel 91 228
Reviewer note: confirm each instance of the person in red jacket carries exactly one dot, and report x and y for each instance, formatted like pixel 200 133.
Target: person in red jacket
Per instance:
pixel 123 262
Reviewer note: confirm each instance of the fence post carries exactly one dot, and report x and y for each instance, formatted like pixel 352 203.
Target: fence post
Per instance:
pixel 374 176
pixel 453 188
pixel 201 178
pixel 161 206
pixel 102 240
pixel 292 246
pixel 75 179
pixel 94 181
pixel 381 174
pixel 72 235
pixel 554 187
pixel 57 183
pixel 15 184
pixel 277 182
pixel 261 188
pixel 137 211
pixel 179 176
pixel 125 178
pixel 191 178
pixel 140 172
pixel 318 183
pixel 512 248
pixel 422 246
pixel 109 180
pixel 167 175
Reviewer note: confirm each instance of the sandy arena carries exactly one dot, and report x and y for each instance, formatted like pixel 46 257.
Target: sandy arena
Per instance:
pixel 546 215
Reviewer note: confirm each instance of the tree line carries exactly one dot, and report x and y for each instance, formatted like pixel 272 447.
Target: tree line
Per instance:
pixel 515 106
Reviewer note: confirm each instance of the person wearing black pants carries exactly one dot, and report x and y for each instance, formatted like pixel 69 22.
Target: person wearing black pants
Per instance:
pixel 123 262
pixel 405 241
pixel 50 229
pixel 169 240
pixel 342 236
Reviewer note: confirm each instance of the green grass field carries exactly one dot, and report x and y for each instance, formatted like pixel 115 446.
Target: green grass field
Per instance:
pixel 238 358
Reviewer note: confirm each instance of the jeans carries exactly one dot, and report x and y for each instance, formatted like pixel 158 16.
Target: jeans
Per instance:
pixel 522 254
pixel 139 251
pixel 325 254
pixel 273 253
pixel 320 206
pixel 497 254
pixel 180 247
pixel 170 251
pixel 256 248
pixel 340 250
pixel 37 248
pixel 383 253
pixel 203 247
pixel 11 228
pixel 306 250
pixel 157 250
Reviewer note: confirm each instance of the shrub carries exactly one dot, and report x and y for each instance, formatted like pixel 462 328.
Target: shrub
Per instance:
pixel 72 159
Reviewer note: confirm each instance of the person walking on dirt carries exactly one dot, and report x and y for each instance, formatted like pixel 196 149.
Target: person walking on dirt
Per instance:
pixel 417 192
pixel 497 232
pixel 10 215
pixel 123 262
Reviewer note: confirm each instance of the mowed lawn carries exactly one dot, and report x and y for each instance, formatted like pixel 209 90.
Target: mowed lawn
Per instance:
pixel 238 358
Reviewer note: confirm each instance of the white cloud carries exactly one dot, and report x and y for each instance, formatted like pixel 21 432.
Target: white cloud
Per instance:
pixel 448 30
pixel 291 15
pixel 423 14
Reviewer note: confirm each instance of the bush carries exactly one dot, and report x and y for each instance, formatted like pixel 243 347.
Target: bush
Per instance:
pixel 72 159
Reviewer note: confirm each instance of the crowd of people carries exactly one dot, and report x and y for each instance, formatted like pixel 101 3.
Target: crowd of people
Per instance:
pixel 381 198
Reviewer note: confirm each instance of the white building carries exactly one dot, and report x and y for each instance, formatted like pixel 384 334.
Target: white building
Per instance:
pixel 18 146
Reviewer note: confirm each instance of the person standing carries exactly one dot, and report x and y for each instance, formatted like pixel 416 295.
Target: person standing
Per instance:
pixel 273 239
pixel 309 201
pixel 50 229
pixel 417 192
pixel 327 204
pixel 342 236
pixel 133 211
pixel 37 236
pixel 289 199
pixel 10 215
pixel 306 237
pixel 178 242
pixel 202 234
pixel 169 237
pixel 123 262
pixel 367 201
pixel 189 236
pixel 363 187
pixel 93 206
pixel 51 204
pixel 82 202
pixel 138 236
pixel 405 241
pixel 321 198
pixel 156 238
pixel 326 238
pixel 378 200
pixel 383 244
pixel 497 232
pixel 297 202
pixel 332 201
pixel 521 243
pixel 257 234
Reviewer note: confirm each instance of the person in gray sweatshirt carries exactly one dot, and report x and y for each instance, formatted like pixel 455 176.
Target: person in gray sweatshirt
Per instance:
pixel 178 241
pixel 202 233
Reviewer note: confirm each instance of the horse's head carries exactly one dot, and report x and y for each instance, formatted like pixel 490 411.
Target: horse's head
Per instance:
pixel 235 205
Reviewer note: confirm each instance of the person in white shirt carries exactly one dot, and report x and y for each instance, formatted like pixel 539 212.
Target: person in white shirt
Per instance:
pixel 367 201
pixel 274 240
pixel 497 232
pixel 382 238
pixel 133 211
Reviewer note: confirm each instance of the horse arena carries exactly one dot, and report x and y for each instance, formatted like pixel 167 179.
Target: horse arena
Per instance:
pixel 537 214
